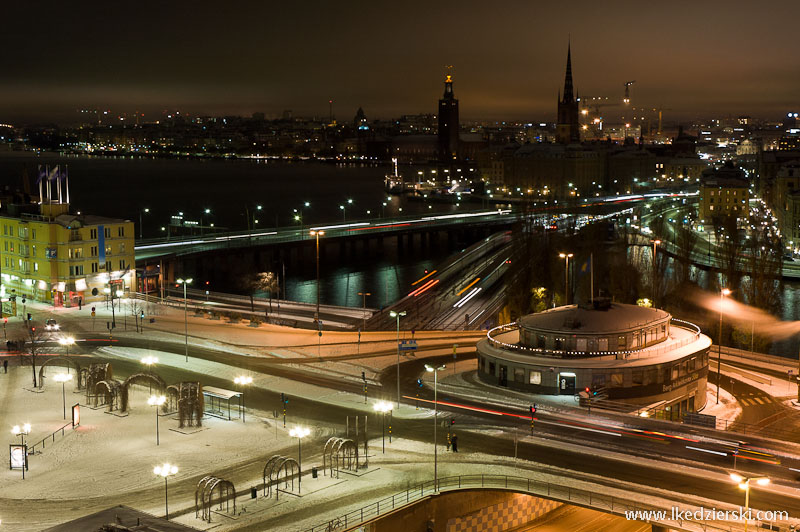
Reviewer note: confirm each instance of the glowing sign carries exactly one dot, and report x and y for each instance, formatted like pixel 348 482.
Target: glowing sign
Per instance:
pixel 18 454
pixel 76 415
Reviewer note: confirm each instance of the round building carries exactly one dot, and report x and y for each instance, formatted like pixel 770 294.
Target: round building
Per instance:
pixel 625 352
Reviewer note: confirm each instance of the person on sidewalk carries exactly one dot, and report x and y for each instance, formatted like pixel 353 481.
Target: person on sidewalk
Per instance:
pixel 454 443
pixel 5 366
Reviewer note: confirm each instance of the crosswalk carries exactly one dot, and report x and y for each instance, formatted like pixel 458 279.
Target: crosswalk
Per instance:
pixel 752 400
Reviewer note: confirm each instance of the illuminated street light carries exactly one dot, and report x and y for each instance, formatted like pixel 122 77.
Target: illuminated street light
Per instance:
pixel 398 315
pixel 63 378
pixel 655 269
pixel 299 433
pixel 317 234
pixel 722 294
pixel 23 431
pixel 744 484
pixel 383 407
pixel 156 401
pixel 165 471
pixel 566 257
pixel 185 282
pixel 435 371
pixel 140 221
pixel 243 381
pixel 66 342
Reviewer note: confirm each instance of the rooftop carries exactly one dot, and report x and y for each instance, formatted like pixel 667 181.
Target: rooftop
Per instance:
pixel 574 319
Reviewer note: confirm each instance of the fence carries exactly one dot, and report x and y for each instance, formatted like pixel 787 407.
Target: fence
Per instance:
pixel 581 497
pixel 52 436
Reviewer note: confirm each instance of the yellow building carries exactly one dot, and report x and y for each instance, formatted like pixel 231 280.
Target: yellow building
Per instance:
pixel 50 255
pixel 724 192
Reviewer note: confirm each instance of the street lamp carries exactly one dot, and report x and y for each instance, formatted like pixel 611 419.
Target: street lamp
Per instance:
pixel 435 371
pixel 156 401
pixel 566 257
pixel 744 484
pixel 184 282
pixel 722 294
pixel 149 361
pixel 66 342
pixel 655 270
pixel 140 221
pixel 398 315
pixel 382 407
pixel 165 471
pixel 63 378
pixel 299 433
pixel 364 295
pixel 317 234
pixel 243 381
pixel 23 431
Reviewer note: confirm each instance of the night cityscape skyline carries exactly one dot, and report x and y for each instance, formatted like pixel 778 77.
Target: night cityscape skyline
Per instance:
pixel 720 61
pixel 400 267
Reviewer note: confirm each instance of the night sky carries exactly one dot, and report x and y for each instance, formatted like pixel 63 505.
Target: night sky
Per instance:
pixel 697 58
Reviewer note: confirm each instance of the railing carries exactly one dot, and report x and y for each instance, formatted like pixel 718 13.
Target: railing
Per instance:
pixel 52 436
pixel 606 503
pixel 563 353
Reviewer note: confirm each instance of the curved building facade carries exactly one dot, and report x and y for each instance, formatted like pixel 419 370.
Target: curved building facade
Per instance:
pixel 629 353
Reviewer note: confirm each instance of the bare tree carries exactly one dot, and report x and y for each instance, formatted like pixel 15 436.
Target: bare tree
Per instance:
pixel 261 282
pixel 136 308
pixel 33 337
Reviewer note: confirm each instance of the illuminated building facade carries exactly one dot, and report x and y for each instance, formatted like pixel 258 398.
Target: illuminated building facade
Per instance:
pixel 50 255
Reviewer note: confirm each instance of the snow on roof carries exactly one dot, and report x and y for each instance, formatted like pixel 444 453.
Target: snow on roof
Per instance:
pixel 572 319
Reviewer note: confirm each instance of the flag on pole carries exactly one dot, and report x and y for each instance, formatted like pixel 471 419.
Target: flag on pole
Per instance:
pixel 53 174
pixel 42 175
pixel 586 267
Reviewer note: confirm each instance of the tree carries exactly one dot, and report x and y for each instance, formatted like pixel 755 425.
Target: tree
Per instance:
pixel 136 309
pixel 263 282
pixel 32 338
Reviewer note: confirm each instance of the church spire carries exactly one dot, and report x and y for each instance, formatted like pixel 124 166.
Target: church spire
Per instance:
pixel 568 97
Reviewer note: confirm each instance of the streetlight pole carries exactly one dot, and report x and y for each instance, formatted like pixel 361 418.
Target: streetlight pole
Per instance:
pixel 364 295
pixel 21 432
pixel 299 433
pixel 156 401
pixel 435 423
pixel 66 342
pixel 398 315
pixel 744 484
pixel 165 471
pixel 243 381
pixel 184 282
pixel 140 222
pixel 655 271
pixel 317 234
pixel 722 295
pixel 566 257
pixel 382 407
pixel 63 378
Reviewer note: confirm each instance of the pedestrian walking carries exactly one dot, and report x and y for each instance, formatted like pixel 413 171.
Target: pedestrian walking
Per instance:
pixel 454 443
pixel 80 303
pixel 5 366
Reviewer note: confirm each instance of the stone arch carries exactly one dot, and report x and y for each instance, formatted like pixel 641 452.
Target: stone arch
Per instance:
pixel 111 390
pixel 138 378
pixel 204 496
pixel 69 361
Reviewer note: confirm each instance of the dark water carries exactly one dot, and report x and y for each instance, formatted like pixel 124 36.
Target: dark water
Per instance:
pixel 124 186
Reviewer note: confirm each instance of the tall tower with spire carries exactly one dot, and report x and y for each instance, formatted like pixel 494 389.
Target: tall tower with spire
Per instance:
pixel 448 123
pixel 567 126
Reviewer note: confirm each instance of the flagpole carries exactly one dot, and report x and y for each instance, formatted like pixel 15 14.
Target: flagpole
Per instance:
pixel 591 269
pixel 41 200
pixel 66 174
pixel 58 184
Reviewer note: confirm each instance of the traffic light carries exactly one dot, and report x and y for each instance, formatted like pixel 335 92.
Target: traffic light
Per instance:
pixel 141 315
pixel 590 391
pixel 533 409
pixel 452 422
pixel 363 376
pixel 30 318
pixel 419 383
pixel 283 397
pixel 33 329
pixel 5 320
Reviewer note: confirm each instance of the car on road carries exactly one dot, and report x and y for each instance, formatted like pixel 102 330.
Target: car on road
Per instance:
pixel 51 325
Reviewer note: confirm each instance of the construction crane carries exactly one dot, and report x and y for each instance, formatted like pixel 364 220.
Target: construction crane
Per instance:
pixel 627 99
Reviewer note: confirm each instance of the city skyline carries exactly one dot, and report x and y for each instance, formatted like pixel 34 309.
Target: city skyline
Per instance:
pixel 507 65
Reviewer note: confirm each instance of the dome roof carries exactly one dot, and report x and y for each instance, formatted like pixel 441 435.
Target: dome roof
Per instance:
pixel 599 318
